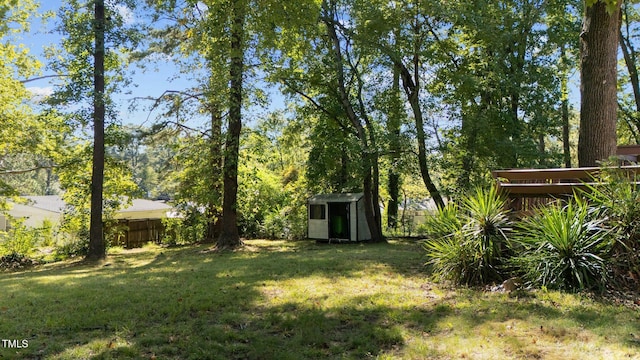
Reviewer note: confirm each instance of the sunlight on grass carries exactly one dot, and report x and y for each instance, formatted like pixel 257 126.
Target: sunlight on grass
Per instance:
pixel 294 300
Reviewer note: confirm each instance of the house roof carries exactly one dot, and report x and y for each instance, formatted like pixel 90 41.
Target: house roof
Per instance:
pixel 55 203
pixel 146 205
pixel 343 197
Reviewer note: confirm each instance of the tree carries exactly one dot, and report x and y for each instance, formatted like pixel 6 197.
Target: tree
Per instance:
pixel 598 81
pixel 97 246
pixel 90 68
pixel 394 124
pixel 496 80
pixel 563 23
pixel 229 236
pixel 221 36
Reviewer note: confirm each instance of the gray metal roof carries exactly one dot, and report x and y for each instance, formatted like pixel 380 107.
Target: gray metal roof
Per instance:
pixel 52 203
pixel 146 205
pixel 343 197
pixel 55 203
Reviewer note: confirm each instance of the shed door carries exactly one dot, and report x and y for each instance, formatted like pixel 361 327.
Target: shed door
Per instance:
pixel 339 221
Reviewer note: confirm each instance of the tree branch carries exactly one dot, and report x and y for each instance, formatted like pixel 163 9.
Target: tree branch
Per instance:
pixel 318 106
pixel 24 171
pixel 42 78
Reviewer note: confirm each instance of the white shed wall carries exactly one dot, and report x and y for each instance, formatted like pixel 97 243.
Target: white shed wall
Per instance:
pixel 363 228
pixel 318 228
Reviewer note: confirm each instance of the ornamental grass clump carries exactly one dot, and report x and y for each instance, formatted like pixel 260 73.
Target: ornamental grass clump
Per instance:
pixel 564 247
pixel 468 244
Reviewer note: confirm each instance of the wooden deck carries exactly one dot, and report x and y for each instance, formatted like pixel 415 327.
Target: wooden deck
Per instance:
pixel 527 189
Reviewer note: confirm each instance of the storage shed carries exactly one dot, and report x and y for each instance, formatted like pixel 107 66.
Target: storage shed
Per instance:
pixel 337 217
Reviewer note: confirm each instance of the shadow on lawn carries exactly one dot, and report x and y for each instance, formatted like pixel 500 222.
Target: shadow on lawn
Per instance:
pixel 182 303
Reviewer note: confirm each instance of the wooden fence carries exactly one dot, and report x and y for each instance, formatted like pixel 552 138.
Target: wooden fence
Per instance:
pixel 136 233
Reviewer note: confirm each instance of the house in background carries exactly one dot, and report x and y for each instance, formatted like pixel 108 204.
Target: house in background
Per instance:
pixel 137 224
pixel 337 217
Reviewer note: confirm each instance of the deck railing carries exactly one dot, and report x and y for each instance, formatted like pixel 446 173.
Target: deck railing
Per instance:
pixel 527 189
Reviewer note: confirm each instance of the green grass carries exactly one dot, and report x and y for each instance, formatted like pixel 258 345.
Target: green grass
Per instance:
pixel 293 300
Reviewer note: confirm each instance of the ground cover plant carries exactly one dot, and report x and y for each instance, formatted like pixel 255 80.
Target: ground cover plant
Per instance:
pixel 294 300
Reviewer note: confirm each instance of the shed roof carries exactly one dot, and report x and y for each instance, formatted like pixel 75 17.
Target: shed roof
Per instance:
pixel 342 197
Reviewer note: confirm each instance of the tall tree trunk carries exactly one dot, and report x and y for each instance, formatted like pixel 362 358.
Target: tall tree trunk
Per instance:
pixel 97 246
pixel 564 89
pixel 215 164
pixel 229 236
pixel 393 128
pixel 566 144
pixel 598 81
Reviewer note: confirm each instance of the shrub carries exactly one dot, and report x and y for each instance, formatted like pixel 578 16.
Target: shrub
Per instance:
pixel 188 229
pixel 73 245
pixel 468 245
pixel 19 240
pixel 564 247
pixel 617 200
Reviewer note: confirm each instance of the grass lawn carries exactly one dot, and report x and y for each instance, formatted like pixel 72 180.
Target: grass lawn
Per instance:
pixel 293 300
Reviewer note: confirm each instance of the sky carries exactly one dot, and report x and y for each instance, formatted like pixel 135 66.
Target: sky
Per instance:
pixel 152 82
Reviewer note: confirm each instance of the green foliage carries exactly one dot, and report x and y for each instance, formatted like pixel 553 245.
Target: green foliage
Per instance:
pixel 447 221
pixel 469 245
pixel 564 247
pixel 273 182
pixel 27 140
pixel 188 229
pixel 616 199
pixel 23 240
pixel 449 255
pixel 501 83
pixel 611 5
pixel 19 240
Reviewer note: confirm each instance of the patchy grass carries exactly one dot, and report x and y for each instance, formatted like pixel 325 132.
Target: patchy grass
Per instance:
pixel 293 300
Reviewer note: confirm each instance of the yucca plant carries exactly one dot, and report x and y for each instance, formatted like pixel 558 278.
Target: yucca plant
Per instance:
pixel 452 259
pixel 447 257
pixel 617 199
pixel 487 222
pixel 564 247
pixel 445 222
pixel 469 243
